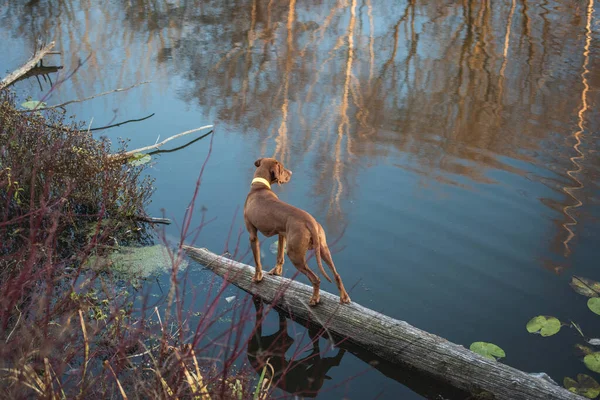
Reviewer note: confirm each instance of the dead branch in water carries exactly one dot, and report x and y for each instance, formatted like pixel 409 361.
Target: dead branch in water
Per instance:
pixel 86 99
pixel 26 67
pixel 157 145
pixel 42 70
pixel 65 129
pixel 117 124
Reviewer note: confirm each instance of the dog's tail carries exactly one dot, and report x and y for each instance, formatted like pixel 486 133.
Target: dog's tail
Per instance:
pixel 314 232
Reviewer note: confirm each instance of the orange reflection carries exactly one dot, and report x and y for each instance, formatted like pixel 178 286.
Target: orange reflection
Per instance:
pixel 580 115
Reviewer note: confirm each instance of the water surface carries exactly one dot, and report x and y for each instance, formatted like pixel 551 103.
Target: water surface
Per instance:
pixel 449 148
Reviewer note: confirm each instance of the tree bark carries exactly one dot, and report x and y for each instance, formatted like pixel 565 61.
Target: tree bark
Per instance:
pixel 395 341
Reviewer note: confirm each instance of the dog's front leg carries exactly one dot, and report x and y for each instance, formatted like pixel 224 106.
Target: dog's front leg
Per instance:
pixel 255 245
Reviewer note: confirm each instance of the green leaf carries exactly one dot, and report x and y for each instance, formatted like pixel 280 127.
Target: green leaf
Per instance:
pixel 546 326
pixel 584 386
pixel 594 305
pixel 585 286
pixel 139 159
pixel 259 384
pixel 488 350
pixel 33 104
pixel 592 361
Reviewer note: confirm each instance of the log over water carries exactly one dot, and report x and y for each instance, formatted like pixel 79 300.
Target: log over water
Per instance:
pixel 395 341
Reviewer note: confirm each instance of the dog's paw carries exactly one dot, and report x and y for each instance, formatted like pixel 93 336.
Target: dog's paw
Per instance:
pixel 345 299
pixel 276 271
pixel 257 278
pixel 314 301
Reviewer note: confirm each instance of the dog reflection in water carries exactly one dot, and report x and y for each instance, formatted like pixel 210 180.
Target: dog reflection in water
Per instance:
pixel 303 377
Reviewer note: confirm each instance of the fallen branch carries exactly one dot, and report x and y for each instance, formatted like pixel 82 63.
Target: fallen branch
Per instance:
pixel 151 153
pixel 86 99
pixel 157 145
pixel 40 70
pixel 117 124
pixel 65 129
pixel 395 341
pixel 153 220
pixel 28 65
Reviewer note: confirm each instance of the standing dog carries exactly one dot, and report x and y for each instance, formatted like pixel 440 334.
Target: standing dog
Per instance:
pixel 264 212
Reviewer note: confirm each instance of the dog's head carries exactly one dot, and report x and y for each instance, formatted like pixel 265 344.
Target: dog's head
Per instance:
pixel 272 168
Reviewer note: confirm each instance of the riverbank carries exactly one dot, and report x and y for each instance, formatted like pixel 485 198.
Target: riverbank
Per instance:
pixel 71 324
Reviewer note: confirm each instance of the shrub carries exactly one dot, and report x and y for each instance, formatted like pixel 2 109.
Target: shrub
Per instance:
pixel 71 331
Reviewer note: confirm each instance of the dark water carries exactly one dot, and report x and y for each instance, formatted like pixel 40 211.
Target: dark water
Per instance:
pixel 451 147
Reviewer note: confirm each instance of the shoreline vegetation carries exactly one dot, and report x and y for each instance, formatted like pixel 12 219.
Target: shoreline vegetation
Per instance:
pixel 75 245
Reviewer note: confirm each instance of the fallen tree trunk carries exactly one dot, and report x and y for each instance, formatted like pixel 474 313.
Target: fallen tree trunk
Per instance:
pixel 393 340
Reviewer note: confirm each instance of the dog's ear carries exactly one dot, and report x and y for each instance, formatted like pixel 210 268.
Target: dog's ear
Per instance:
pixel 257 162
pixel 276 171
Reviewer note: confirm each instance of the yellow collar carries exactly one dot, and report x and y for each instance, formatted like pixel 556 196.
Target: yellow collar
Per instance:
pixel 261 180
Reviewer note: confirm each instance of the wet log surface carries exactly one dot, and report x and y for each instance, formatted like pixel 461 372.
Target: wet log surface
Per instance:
pixel 393 340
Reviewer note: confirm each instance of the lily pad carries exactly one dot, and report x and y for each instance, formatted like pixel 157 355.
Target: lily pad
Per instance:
pixel 488 350
pixel 584 386
pixel 592 361
pixel 33 104
pixel 545 326
pixel 138 262
pixel 585 286
pixel 594 305
pixel 273 247
pixel 139 159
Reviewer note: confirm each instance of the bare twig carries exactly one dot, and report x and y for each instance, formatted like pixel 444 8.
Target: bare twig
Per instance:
pixel 120 123
pixel 155 146
pixel 180 147
pixel 16 324
pixel 86 353
pixel 28 65
pixel 65 129
pixel 106 364
pixel 87 98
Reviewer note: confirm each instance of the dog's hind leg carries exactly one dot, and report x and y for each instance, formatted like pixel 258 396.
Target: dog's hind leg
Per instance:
pixel 278 270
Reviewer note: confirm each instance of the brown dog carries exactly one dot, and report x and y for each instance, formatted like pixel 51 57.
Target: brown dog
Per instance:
pixel 264 212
